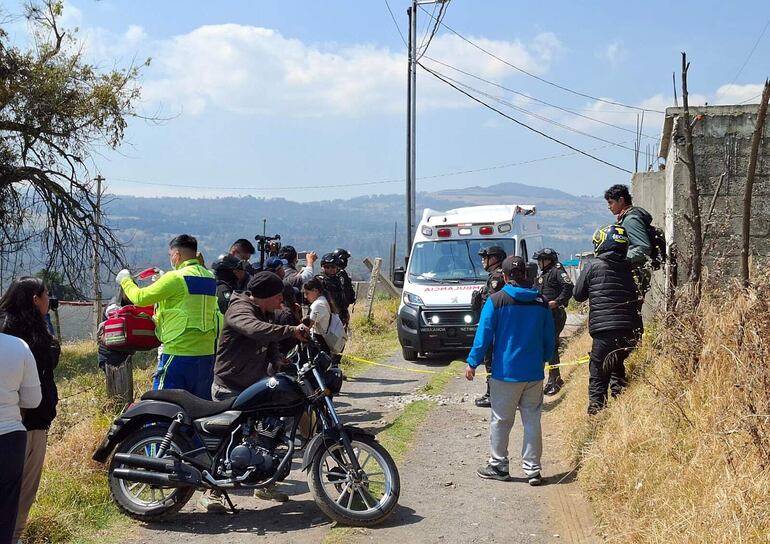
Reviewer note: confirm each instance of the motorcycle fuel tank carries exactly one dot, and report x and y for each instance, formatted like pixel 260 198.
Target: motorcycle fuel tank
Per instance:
pixel 275 392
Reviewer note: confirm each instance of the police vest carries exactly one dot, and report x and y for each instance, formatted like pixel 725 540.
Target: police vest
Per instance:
pixel 190 325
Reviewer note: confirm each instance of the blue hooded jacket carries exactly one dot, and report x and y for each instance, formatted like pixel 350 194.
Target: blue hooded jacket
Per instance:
pixel 518 322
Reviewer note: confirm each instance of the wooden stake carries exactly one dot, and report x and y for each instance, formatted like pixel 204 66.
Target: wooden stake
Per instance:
pixel 756 139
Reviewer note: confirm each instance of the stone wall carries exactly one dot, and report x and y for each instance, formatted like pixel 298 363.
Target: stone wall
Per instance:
pixel 649 192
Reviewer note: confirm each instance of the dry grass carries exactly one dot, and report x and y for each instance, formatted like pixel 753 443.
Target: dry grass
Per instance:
pixel 684 454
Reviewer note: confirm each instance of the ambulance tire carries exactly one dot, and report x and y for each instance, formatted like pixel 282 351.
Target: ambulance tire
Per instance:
pixel 409 354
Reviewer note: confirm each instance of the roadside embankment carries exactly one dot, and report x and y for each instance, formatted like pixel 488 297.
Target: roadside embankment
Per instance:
pixel 684 454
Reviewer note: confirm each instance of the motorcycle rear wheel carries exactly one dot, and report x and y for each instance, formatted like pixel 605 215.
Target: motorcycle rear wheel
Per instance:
pixel 146 502
pixel 360 502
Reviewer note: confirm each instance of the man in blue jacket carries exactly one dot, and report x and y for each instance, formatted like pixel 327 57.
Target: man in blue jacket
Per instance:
pixel 518 323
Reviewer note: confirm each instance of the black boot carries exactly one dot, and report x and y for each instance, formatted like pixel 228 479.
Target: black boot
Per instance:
pixel 483 400
pixel 554 383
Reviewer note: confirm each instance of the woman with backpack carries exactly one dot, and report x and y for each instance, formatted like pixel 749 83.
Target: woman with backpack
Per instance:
pixel 323 318
pixel 22 314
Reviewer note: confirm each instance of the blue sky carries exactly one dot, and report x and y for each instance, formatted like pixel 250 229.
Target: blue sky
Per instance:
pixel 271 96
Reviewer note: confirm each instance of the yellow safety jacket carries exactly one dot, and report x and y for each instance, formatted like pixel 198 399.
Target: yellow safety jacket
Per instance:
pixel 187 317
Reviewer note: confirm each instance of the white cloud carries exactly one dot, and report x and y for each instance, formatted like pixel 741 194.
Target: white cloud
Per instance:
pixel 256 70
pixel 615 53
pixel 735 94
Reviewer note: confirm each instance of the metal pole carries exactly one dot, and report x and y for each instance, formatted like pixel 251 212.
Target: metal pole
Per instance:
pixel 408 194
pixel 413 128
pixel 97 280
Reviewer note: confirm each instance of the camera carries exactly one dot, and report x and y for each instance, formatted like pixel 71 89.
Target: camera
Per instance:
pixel 267 245
pixel 53 303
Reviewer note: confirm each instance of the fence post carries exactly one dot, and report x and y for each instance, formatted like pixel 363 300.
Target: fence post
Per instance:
pixel 372 287
pixel 120 381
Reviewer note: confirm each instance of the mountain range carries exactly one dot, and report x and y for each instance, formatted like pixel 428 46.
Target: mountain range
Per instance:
pixel 363 225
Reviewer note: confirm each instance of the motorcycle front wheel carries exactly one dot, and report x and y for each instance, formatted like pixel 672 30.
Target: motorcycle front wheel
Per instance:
pixel 143 501
pixel 364 499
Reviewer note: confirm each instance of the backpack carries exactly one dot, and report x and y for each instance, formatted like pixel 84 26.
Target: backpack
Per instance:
pixel 129 328
pixel 658 254
pixel 336 337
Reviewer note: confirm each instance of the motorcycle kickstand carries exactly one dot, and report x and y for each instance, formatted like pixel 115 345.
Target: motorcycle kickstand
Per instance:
pixel 226 495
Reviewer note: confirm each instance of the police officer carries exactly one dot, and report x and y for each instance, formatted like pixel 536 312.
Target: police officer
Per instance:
pixel 230 272
pixel 555 285
pixel 492 258
pixel 330 266
pixel 347 284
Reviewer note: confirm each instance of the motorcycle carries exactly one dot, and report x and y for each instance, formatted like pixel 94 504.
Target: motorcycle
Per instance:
pixel 172 443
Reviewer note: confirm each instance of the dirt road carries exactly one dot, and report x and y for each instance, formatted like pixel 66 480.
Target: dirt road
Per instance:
pixel 442 499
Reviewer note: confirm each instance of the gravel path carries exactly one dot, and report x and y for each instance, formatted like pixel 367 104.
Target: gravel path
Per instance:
pixel 442 499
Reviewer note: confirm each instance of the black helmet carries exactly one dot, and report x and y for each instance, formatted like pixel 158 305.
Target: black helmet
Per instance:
pixel 228 262
pixel 493 251
pixel 611 238
pixel 342 256
pixel 546 253
pixel 330 258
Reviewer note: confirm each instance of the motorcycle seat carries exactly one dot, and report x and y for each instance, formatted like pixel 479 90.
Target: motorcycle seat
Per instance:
pixel 195 407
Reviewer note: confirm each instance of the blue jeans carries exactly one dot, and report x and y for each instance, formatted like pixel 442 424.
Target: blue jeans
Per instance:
pixel 193 373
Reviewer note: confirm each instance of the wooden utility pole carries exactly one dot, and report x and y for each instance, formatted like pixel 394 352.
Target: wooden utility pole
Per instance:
pixel 372 287
pixel 756 140
pixel 97 281
pixel 696 267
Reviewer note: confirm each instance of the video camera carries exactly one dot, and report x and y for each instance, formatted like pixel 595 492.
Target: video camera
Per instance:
pixel 269 245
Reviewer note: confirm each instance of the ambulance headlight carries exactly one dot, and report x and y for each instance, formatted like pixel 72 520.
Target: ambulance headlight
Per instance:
pixel 468 318
pixel 410 299
pixel 434 320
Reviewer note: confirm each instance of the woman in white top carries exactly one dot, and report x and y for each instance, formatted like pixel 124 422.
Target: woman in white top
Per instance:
pixel 19 389
pixel 321 307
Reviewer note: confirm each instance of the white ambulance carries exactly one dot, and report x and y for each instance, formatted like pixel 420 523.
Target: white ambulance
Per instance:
pixel 444 269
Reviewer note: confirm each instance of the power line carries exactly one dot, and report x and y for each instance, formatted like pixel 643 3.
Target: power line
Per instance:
pixel 536 131
pixel 377 182
pixel 751 53
pixel 532 114
pixel 395 22
pixel 538 100
pixel 441 14
pixel 541 79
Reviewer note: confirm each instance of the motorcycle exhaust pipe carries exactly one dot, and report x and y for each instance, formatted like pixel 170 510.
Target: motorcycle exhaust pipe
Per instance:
pixel 188 476
pixel 142 461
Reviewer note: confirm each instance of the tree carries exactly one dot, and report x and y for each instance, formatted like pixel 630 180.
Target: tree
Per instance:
pixel 55 111
pixel 58 286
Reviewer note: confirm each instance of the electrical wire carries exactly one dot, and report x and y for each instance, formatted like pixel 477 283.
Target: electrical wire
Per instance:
pixel 360 184
pixel 396 23
pixel 533 114
pixel 520 123
pixel 541 79
pixel 538 100
pixel 751 53
pixel 441 14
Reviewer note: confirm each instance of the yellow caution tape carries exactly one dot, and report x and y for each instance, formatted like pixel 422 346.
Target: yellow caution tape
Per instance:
pixel 425 371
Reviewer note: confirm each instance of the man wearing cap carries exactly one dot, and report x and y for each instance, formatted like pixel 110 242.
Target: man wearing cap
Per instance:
pixel 517 322
pixel 248 346
pixel 492 258
pixel 292 276
pixel 276 265
pixel 187 318
pixel 554 284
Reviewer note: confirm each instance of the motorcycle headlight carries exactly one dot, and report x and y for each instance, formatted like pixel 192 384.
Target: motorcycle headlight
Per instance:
pixel 323 361
pixel 333 380
pixel 412 300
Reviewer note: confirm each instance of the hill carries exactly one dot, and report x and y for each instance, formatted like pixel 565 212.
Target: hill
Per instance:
pixel 363 225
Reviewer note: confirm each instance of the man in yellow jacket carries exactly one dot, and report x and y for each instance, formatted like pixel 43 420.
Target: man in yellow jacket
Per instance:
pixel 187 318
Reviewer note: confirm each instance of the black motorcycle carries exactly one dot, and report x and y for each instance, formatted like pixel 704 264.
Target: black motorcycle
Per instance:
pixel 172 443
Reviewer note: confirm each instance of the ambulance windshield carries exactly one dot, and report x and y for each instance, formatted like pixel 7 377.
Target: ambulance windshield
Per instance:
pixel 452 260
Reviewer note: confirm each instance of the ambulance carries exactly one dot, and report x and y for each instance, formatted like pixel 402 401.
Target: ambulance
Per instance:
pixel 444 269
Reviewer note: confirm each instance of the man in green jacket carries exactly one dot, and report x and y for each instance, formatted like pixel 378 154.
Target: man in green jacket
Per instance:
pixel 187 319
pixel 636 221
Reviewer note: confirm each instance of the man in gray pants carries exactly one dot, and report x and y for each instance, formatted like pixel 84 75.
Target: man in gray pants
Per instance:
pixel 517 322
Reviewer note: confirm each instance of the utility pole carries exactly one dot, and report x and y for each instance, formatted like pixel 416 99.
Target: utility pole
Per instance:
pixel 97 281
pixel 411 122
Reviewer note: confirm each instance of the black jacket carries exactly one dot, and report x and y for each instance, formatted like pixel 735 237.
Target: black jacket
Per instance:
pixel 608 284
pixel 224 293
pixel 47 358
pixel 495 282
pixel 347 287
pixel 555 284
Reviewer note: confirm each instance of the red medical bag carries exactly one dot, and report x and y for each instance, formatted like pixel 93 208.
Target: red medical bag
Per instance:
pixel 129 328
